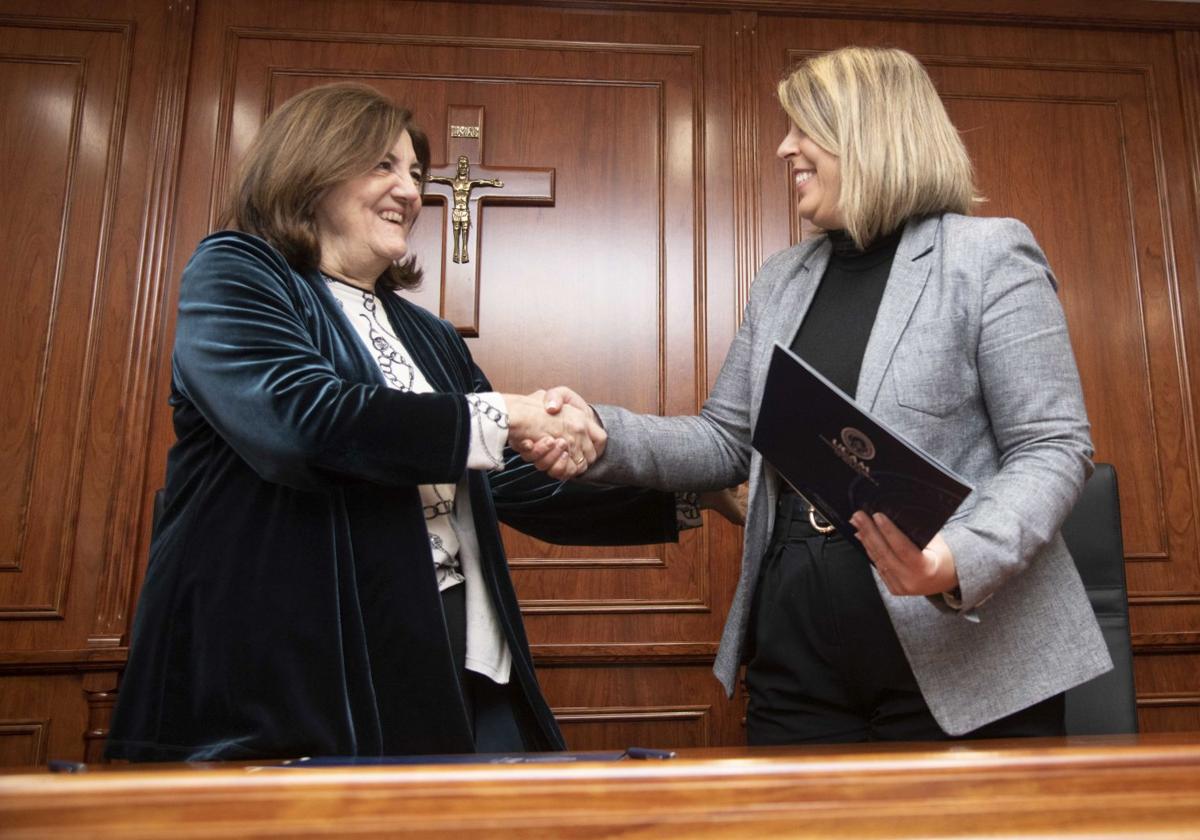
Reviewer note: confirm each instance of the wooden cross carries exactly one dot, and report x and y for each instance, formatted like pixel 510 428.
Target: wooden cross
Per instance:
pixel 464 185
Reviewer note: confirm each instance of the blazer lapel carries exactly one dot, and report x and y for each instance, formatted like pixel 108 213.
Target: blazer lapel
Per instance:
pixel 915 257
pixel 782 322
pixel 798 295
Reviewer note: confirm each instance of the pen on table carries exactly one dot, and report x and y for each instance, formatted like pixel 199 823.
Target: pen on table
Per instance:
pixel 643 753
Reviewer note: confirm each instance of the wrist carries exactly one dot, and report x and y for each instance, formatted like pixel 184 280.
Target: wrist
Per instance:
pixel 519 415
pixel 944 577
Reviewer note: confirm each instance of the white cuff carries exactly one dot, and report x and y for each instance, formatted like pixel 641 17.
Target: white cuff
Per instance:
pixel 489 431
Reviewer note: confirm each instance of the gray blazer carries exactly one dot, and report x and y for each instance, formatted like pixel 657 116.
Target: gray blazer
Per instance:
pixel 969 359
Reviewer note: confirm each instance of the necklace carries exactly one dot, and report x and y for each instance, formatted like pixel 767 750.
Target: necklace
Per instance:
pixel 394 364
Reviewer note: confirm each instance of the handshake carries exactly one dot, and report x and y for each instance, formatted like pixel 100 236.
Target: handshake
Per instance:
pixel 556 431
pixel 559 433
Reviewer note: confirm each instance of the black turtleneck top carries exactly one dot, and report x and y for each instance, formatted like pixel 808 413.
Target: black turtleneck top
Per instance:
pixel 833 336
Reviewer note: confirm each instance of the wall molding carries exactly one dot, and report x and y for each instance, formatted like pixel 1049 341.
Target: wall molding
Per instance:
pixel 621 654
pixel 1094 14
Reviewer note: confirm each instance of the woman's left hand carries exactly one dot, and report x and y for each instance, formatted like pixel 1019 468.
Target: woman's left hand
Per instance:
pixel 906 569
pixel 730 503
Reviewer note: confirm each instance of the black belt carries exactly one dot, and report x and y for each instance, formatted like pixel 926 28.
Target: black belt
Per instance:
pixel 796 519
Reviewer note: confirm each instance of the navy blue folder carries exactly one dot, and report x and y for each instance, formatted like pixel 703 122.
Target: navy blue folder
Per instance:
pixel 842 459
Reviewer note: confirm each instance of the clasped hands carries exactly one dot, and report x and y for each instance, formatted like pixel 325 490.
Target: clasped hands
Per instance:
pixel 556 431
pixel 565 456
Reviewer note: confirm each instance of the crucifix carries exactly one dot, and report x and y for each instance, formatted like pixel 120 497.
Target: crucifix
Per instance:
pixel 465 184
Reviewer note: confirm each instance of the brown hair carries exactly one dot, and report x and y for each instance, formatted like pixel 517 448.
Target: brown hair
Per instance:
pixel 877 110
pixel 314 141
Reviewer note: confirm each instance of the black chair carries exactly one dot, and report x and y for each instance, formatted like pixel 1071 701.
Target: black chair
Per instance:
pixel 1107 704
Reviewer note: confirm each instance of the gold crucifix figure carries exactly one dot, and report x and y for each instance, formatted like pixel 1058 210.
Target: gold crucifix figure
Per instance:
pixel 460 213
pixel 462 220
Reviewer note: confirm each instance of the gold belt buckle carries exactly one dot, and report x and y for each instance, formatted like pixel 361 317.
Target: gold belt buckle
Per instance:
pixel 820 528
pixel 825 528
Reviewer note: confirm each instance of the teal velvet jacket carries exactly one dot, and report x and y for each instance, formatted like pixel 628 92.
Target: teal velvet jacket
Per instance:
pixel 290 605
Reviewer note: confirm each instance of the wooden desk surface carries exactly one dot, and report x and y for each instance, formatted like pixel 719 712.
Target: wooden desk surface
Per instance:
pixel 1145 786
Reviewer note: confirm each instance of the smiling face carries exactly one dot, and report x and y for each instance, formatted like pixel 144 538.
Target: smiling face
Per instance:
pixel 363 222
pixel 817 176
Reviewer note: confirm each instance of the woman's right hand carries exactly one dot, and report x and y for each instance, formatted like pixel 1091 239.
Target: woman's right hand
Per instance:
pixel 544 452
pixel 563 442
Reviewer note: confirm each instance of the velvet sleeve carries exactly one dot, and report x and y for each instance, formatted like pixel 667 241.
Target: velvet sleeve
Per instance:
pixel 247 358
pixel 571 513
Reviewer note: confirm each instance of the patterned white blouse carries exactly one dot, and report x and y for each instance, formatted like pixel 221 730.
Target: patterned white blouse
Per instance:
pixel 489 421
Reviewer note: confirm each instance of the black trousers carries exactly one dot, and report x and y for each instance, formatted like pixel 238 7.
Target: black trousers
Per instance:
pixel 825 665
pixel 490 706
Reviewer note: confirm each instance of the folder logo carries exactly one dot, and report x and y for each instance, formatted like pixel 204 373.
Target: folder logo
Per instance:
pixel 854 449
pixel 858 443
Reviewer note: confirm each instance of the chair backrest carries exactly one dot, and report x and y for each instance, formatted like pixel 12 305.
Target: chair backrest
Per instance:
pixel 1107 704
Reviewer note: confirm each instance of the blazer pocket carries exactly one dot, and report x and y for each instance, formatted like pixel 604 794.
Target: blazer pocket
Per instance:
pixel 931 372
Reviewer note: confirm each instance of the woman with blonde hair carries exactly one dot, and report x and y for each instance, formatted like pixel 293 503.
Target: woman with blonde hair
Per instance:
pixel 947 327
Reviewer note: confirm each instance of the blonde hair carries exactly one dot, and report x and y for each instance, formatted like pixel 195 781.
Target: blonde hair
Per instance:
pixel 312 142
pixel 877 110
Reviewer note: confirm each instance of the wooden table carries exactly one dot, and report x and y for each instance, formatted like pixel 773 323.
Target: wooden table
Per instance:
pixel 1126 787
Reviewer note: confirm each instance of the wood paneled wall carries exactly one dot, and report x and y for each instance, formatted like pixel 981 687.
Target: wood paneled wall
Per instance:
pixel 124 119
pixel 92 101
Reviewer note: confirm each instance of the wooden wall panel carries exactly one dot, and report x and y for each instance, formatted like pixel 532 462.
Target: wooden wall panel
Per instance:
pixel 665 706
pixel 41 717
pixel 22 743
pixel 1168 633
pixel 1168 696
pixel 41 134
pixel 84 143
pixel 61 88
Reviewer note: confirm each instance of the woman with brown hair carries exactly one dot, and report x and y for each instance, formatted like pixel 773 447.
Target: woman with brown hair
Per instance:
pixel 327 575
